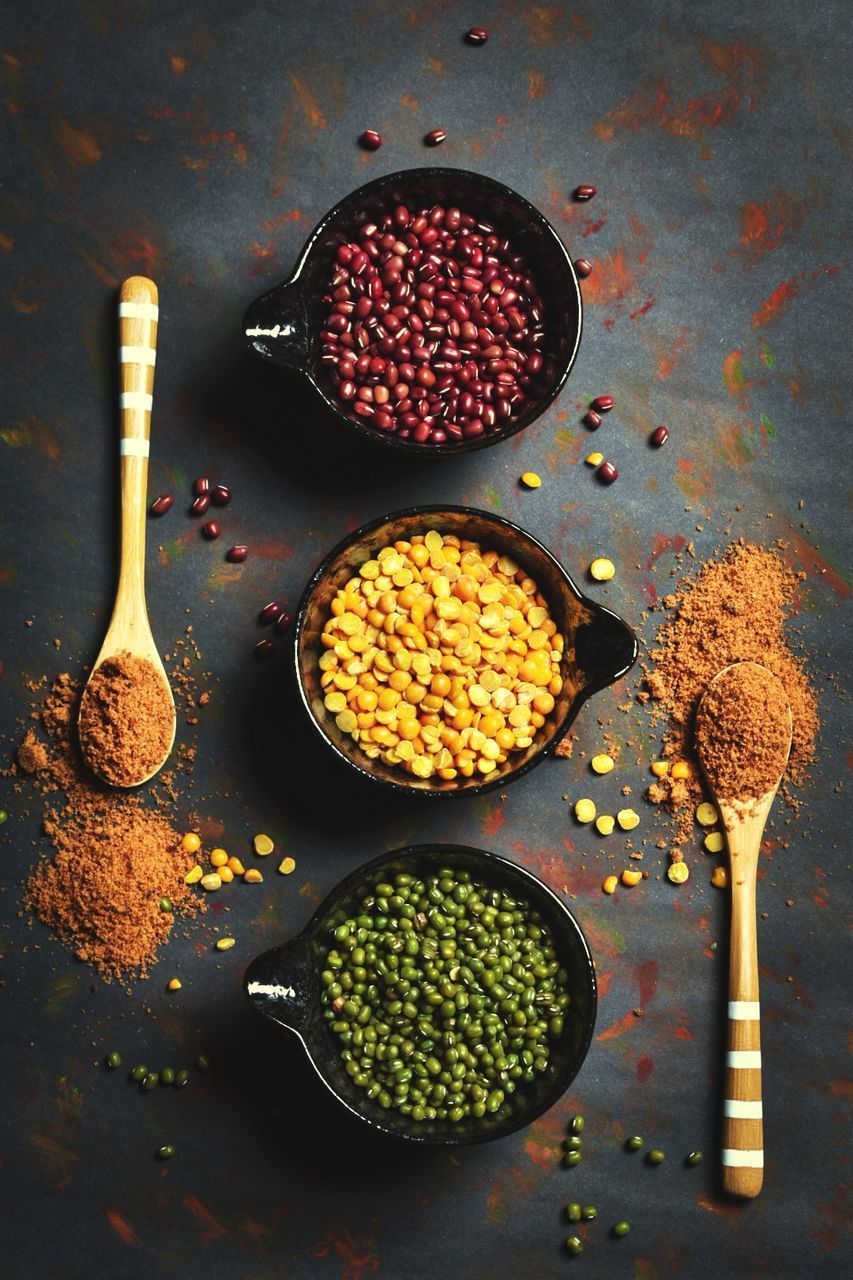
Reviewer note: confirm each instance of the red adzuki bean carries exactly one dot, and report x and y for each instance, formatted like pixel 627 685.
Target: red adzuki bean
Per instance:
pixel 592 420
pixel 371 140
pixel 237 554
pixel 264 649
pixel 583 267
pixel 434 330
pixel 221 495
pixel 201 485
pixel 584 192
pixel 161 505
pixel 200 504
pixel 476 35
pixel 603 404
pixel 271 612
pixel 435 137
pixel 283 622
pixel 607 473
pixel 659 436
pixel 211 529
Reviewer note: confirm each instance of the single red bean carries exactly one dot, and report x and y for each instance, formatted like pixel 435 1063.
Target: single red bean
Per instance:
pixel 584 192
pixel 161 505
pixel 435 137
pixel 592 420
pixel 659 436
pixel 201 485
pixel 603 404
pixel 283 622
pixel 200 504
pixel 371 140
pixel 583 267
pixel 271 612
pixel 264 649
pixel 607 473
pixel 476 35
pixel 221 495
pixel 237 554
pixel 211 529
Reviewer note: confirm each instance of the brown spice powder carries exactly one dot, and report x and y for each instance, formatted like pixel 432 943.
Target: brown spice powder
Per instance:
pixel 115 856
pixel 734 611
pixel 127 720
pixel 743 732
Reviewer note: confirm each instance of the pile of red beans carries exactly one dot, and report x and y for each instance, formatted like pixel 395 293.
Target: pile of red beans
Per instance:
pixel 435 330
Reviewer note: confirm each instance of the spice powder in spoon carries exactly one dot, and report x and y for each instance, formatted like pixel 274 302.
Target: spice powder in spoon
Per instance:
pixel 743 732
pixel 127 720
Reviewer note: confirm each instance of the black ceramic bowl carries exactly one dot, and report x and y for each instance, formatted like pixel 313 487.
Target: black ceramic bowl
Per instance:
pixel 284 325
pixel 599 648
pixel 285 985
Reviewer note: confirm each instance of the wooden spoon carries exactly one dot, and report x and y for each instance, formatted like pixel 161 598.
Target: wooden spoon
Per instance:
pixel 129 630
pixel 743 1131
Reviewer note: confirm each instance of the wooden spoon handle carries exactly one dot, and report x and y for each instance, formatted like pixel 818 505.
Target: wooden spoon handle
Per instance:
pixel 743 1131
pixel 137 324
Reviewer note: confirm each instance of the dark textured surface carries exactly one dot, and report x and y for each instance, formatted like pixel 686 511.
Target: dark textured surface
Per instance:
pixel 200 143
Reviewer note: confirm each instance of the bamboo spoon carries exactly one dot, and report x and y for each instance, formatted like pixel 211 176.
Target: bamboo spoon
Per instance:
pixel 743 1132
pixel 129 629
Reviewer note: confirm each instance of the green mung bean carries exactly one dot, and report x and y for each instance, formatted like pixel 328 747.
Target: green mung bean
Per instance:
pixel 445 995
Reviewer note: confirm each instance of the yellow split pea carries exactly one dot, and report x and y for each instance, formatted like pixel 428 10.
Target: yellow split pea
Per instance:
pixel 440 658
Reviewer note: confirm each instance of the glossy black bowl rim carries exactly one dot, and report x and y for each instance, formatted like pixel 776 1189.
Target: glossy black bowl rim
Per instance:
pixel 464 446
pixel 489 784
pixel 533 1110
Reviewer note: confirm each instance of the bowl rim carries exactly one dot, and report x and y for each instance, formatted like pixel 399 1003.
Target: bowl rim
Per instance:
pixel 531 211
pixel 489 784
pixel 494 860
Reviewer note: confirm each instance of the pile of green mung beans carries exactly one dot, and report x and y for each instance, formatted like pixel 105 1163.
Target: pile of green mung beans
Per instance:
pixel 445 995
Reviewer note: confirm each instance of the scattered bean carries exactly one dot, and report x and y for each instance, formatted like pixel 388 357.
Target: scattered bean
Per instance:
pixel 270 613
pixel 603 404
pixel 577 1125
pixel 660 768
pixel 602 569
pixel 435 137
pixel 237 554
pixel 167 1076
pixel 371 140
pixel 138 1074
pixel 694 1158
pixel 201 485
pixel 161 505
pixel 706 815
pixel 584 192
pixel 287 865
pixel 574 1244
pixel 113 1060
pixel 655 1156
pixel 584 810
pixel 531 480
pixel 202 1063
pixel 191 842
pixel 263 845
pixel 589 1212
pixel 283 623
pixel 151 1080
pixel 211 882
pixel 604 824
pixel 592 419
pixel 476 35
pixel 573 1211
pixel 607 473
pixel 583 267
pixel 634 1143
pixel 719 877
pixel 631 878
pixel 628 819
pixel 681 769
pixel 165 904
pixel 659 436
pixel 225 944
pixel 264 649
pixel 574 1142
pixel 211 529
pixel 572 1158
pixel 174 984
pixel 200 504
pixel 253 876
pixel 165 1152
pixel 602 763
pixel 594 459
pixel 609 885
pixel 193 877
pixel 182 1078
pixel 221 495
pixel 621 1229
pixel 235 866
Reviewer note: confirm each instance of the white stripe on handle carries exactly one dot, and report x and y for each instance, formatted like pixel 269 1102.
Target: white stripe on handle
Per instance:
pixel 134 447
pixel 136 400
pixel 744 1059
pixel 743 1159
pixel 745 1010
pixel 137 355
pixel 138 310
pixel 738 1109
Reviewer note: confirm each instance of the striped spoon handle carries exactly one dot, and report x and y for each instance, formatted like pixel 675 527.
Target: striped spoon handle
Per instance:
pixel 138 314
pixel 743 1133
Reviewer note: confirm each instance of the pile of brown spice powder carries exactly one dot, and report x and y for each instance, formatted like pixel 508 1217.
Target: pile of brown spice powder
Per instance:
pixel 734 611
pixel 115 856
pixel 743 732
pixel 127 720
